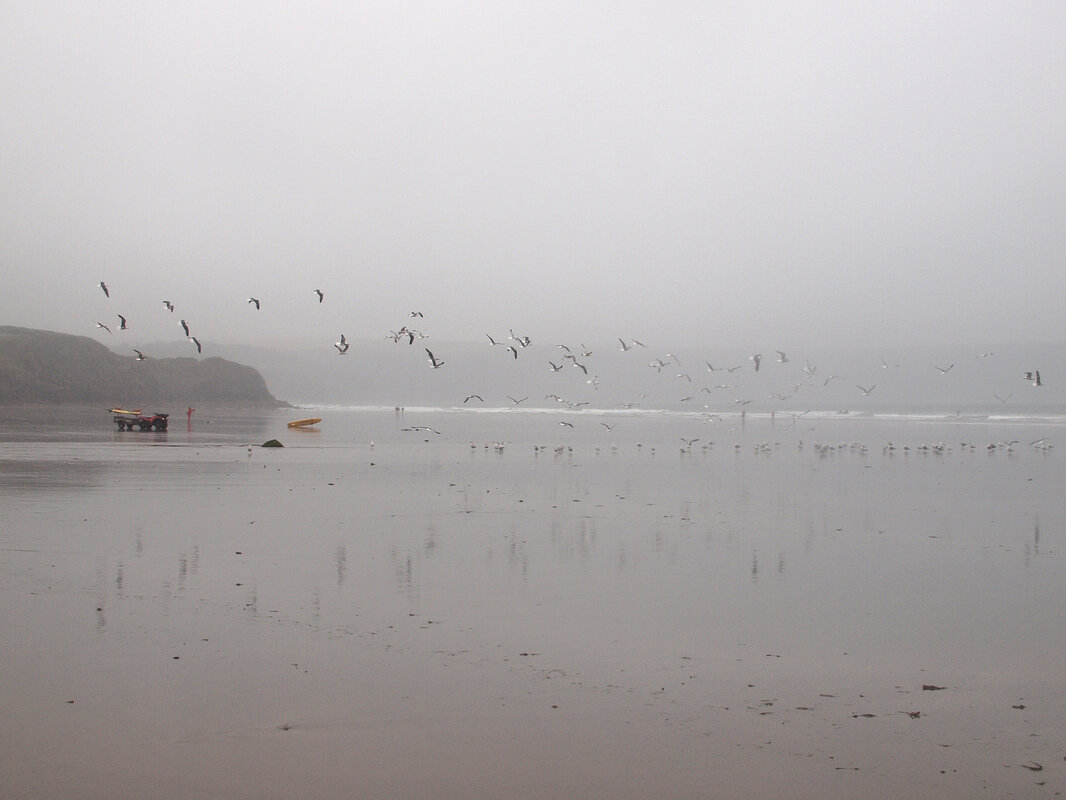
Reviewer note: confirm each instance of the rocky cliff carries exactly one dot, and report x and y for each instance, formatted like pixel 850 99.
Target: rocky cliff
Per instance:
pixel 45 367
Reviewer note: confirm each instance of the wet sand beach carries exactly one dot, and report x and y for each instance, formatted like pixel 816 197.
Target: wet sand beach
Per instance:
pixel 513 608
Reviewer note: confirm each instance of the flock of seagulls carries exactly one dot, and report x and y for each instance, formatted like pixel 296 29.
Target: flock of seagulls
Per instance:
pixel 580 359
pixel 123 323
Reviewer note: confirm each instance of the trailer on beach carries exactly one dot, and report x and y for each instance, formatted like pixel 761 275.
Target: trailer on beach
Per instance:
pixel 127 419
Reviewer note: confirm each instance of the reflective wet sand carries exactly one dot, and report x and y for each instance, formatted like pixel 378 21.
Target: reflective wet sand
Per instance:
pixel 626 616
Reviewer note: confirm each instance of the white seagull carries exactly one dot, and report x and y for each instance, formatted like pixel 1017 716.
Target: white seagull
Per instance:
pixel 342 346
pixel 433 361
pixel 102 325
pixel 865 392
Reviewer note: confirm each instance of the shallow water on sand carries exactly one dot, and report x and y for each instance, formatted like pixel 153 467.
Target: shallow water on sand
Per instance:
pixel 514 607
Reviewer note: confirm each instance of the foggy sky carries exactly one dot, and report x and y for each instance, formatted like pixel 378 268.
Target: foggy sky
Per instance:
pixel 741 174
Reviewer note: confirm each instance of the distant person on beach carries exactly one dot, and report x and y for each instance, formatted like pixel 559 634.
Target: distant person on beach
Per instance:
pixel 188 414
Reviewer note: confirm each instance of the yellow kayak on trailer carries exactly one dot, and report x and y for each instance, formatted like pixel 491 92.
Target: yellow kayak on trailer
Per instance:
pixel 303 423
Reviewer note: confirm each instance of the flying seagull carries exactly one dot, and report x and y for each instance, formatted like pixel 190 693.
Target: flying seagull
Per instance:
pixel 433 361
pixel 781 358
pixel 513 350
pixel 517 401
pixel 102 325
pixel 121 322
pixel 567 424
pixel 255 302
pixel 196 342
pixel 470 397
pixel 140 356
pixel 945 370
pixel 422 427
pixel 104 287
pixel 169 306
pixel 555 367
pixel 342 346
pixel 321 295
pixel 417 314
pixel 865 392
pixel 756 358
pixel 185 327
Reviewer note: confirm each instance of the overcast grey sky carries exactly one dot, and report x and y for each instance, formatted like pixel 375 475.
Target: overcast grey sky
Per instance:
pixel 736 173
